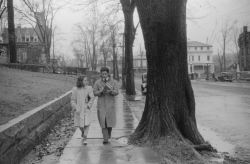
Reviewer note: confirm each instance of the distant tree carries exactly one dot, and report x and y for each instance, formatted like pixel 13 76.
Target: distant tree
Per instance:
pixel 82 46
pixel 225 33
pixel 3 16
pixel 112 31
pixel 169 111
pixel 11 32
pixel 235 37
pixel 40 15
pixel 105 50
pixel 128 8
pixel 2 8
pixel 90 37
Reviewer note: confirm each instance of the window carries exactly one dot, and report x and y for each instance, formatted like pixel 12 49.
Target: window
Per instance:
pixel 192 58
pixel 195 48
pixel 23 38
pixel 27 39
pixel 35 39
pixel 207 48
pixel 201 48
pixel 199 58
pixel 31 38
pixel 208 58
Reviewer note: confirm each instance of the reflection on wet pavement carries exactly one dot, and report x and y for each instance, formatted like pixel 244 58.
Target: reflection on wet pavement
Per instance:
pixel 117 152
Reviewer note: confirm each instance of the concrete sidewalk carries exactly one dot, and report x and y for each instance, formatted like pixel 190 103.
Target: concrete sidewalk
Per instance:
pixel 117 152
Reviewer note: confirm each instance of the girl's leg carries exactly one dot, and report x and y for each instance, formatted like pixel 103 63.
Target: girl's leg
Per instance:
pixel 86 130
pixel 82 130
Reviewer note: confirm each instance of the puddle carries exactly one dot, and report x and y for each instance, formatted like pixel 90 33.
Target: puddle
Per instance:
pixel 123 140
pixel 215 140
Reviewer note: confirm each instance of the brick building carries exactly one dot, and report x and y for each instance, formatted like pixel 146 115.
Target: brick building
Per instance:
pixel 244 54
pixel 29 47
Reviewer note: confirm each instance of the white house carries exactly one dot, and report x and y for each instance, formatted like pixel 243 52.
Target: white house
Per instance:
pixel 200 58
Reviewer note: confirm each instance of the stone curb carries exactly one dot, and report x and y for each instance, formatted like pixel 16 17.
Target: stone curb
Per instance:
pixel 20 135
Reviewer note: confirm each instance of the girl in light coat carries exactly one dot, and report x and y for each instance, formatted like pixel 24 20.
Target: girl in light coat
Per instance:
pixel 81 101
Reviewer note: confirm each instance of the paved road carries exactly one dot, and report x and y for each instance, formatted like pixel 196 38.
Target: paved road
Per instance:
pixel 223 115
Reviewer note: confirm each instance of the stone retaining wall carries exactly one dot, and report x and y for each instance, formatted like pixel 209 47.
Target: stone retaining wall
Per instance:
pixel 20 135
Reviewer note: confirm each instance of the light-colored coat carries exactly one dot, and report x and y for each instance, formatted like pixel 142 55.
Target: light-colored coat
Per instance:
pixel 82 104
pixel 106 107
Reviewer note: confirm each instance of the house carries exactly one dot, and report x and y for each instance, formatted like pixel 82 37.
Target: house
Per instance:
pixel 30 49
pixel 244 54
pixel 199 59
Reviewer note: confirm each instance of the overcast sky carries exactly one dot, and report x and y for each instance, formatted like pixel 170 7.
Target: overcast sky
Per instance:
pixel 205 19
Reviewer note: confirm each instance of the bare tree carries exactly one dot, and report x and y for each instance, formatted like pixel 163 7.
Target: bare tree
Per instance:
pixel 113 28
pixel 2 8
pixel 11 32
pixel 236 34
pixel 89 39
pixel 128 7
pixel 82 45
pixel 105 50
pixel 225 32
pixel 219 60
pixel 3 16
pixel 40 15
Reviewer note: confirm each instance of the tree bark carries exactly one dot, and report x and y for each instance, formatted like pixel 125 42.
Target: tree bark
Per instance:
pixel 115 66
pixel 11 32
pixel 128 7
pixel 170 103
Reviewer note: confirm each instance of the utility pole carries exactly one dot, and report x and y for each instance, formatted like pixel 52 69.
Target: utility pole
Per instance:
pixel 11 32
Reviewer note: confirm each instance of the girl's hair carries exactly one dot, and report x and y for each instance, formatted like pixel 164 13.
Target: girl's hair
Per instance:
pixel 79 82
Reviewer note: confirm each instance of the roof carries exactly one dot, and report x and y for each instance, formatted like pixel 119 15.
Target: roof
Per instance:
pixel 25 30
pixel 196 44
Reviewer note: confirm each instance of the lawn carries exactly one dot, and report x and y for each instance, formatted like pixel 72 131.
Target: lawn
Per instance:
pixel 21 91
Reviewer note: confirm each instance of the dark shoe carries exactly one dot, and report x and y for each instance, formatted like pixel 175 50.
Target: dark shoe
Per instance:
pixel 105 142
pixel 85 142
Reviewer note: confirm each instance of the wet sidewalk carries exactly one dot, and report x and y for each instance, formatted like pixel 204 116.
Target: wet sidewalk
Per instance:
pixel 118 151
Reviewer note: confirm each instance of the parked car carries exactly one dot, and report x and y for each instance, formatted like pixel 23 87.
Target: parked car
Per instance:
pixel 144 83
pixel 225 76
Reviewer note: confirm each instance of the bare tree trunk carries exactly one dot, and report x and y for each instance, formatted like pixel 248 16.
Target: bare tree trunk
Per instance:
pixel 170 103
pixel 224 53
pixel 11 32
pixel 128 10
pixel 123 64
pixel 115 66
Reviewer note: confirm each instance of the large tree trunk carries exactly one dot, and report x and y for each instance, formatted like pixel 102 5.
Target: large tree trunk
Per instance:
pixel 170 103
pixel 11 32
pixel 128 10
